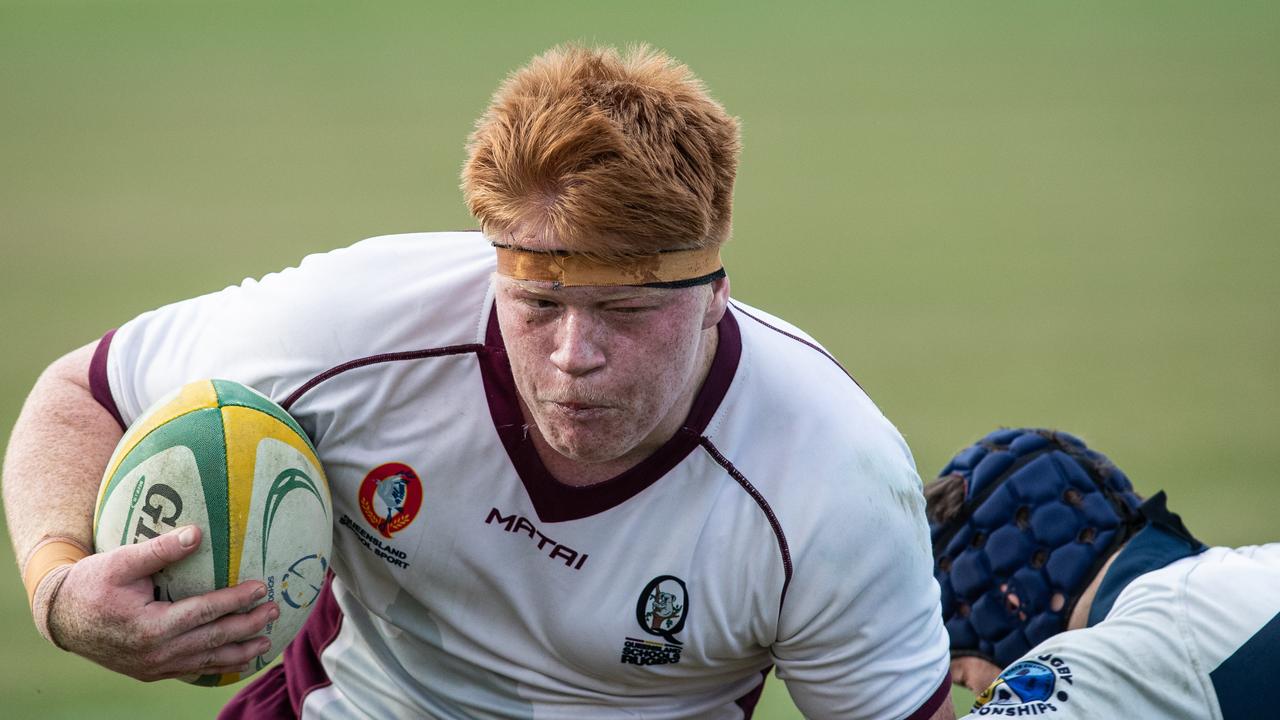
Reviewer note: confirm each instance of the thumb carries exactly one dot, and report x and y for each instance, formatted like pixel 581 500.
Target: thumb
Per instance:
pixel 144 559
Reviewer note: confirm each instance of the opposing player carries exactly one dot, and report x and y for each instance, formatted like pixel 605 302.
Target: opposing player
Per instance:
pixel 571 477
pixel 1095 603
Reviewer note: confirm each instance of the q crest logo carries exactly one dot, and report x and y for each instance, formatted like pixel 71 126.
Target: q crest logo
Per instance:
pixel 1027 688
pixel 661 610
pixel 390 498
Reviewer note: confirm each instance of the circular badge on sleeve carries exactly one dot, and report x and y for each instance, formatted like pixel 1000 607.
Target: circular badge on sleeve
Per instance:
pixel 390 497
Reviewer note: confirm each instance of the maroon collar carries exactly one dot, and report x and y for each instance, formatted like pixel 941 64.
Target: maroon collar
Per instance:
pixel 553 500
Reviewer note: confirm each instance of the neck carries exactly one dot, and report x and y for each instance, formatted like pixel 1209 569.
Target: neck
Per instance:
pixel 1080 614
pixel 581 474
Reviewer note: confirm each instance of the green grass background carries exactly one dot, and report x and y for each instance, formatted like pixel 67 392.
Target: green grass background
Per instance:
pixel 993 212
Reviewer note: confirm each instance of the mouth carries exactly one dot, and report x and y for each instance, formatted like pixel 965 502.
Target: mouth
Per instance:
pixel 577 410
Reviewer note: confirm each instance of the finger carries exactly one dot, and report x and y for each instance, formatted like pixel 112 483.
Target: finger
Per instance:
pixel 226 658
pixel 144 559
pixel 233 628
pixel 229 670
pixel 200 610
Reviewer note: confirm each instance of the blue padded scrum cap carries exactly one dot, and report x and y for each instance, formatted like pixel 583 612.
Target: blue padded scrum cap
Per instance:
pixel 1041 514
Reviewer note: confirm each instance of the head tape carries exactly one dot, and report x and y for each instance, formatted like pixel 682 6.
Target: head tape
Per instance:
pixel 668 269
pixel 1041 515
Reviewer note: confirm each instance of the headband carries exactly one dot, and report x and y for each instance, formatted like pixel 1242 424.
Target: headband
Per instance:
pixel 670 269
pixel 1041 514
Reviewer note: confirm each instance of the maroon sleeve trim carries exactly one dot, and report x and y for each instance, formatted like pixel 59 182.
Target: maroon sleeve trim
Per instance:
pixel 99 384
pixel 930 706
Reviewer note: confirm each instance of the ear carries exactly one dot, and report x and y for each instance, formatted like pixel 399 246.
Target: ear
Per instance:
pixel 718 304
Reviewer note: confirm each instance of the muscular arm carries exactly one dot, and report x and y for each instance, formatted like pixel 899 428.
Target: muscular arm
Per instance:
pixel 102 607
pixel 60 445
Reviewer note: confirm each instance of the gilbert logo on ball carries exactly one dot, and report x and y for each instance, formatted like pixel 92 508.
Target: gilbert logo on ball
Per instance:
pixel 222 456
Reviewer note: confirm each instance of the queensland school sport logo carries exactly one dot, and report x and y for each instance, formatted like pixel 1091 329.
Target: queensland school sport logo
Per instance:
pixel 390 497
pixel 1027 688
pixel 661 610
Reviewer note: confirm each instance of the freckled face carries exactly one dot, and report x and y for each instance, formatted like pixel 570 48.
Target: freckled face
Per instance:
pixel 605 373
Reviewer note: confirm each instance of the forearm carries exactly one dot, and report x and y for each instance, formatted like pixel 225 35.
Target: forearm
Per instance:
pixel 59 447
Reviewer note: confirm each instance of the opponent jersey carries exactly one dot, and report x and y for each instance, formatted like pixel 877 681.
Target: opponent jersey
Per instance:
pixel 1197 638
pixel 783 525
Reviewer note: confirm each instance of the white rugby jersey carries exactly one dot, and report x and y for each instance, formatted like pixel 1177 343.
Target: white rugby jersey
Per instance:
pixel 782 526
pixel 1198 638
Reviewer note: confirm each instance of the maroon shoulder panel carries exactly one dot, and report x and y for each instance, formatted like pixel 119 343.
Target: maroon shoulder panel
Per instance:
pixel 280 692
pixel 99 385
pixel 553 500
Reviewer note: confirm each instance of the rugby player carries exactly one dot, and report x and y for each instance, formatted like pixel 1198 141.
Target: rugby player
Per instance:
pixel 571 477
pixel 1097 604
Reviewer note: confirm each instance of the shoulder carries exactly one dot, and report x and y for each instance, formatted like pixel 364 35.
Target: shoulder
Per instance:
pixel 343 297
pixel 385 294
pixel 1228 598
pixel 384 270
pixel 834 473
pixel 1208 589
pixel 786 354
pixel 804 432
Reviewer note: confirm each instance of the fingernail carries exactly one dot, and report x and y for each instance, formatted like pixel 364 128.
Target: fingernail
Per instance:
pixel 187 536
pixel 260 593
pixel 264 646
pixel 274 613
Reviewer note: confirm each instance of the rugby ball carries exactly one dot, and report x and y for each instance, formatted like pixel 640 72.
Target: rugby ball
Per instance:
pixel 223 456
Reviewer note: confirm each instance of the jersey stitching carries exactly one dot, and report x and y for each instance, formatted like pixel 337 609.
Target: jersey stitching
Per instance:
pixel 764 506
pixel 373 360
pixel 801 340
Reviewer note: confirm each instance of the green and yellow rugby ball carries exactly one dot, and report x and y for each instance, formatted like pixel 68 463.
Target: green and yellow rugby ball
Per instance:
pixel 222 456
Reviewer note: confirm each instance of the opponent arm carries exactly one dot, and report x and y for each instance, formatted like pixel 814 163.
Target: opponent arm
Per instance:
pixel 102 607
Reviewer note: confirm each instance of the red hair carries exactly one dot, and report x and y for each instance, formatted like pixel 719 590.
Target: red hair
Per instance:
pixel 614 155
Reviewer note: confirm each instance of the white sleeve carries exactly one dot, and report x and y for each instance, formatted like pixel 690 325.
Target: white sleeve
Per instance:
pixel 1134 664
pixel 861 633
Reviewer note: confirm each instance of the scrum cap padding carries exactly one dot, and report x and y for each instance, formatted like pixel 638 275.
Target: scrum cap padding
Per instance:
pixel 1041 514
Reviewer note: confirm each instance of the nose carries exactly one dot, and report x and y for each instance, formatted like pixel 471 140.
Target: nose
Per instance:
pixel 577 349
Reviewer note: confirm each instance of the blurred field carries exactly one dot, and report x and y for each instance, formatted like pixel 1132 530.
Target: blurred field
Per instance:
pixel 992 212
